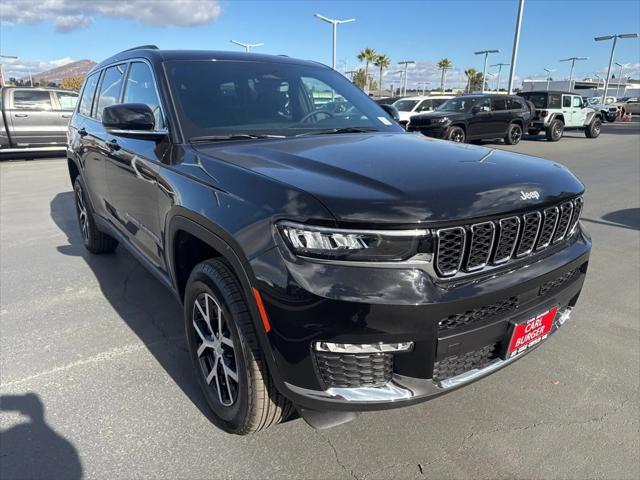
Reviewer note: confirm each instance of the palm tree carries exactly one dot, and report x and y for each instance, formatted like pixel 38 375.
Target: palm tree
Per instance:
pixel 444 65
pixel 367 55
pixel 471 74
pixel 381 61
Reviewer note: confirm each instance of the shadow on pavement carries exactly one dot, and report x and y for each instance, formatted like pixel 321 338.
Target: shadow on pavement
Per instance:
pixel 626 218
pixel 145 305
pixel 32 449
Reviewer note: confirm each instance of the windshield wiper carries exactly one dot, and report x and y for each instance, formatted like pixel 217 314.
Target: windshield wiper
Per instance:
pixel 339 130
pixel 232 136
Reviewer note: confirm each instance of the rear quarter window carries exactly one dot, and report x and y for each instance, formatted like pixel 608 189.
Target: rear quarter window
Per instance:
pixel 88 92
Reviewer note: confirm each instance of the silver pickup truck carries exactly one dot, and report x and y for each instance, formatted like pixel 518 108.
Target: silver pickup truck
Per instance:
pixel 34 119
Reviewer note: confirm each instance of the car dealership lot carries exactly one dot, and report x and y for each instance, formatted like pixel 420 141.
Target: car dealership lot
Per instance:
pixel 98 344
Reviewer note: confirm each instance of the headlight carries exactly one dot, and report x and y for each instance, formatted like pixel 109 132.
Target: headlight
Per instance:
pixel 444 120
pixel 354 245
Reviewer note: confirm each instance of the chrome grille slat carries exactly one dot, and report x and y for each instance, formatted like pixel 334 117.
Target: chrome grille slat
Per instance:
pixel 476 247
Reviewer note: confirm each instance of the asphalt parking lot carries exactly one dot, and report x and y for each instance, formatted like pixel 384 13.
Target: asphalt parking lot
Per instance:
pixel 96 381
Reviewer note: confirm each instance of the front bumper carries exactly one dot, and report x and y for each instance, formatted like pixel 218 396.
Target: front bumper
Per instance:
pixel 308 302
pixel 434 131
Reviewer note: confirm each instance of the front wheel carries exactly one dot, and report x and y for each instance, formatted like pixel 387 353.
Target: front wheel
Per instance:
pixel 514 134
pixel 230 366
pixel 554 130
pixel 456 134
pixel 593 129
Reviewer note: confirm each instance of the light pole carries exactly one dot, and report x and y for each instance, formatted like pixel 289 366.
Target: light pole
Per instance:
pixel 514 51
pixel 615 38
pixel 490 75
pixel 247 46
pixel 549 71
pixel 400 89
pixel 621 65
pixel 406 63
pixel 335 24
pixel 573 62
pixel 599 78
pixel 484 69
pixel 424 86
pixel 499 65
pixel 11 57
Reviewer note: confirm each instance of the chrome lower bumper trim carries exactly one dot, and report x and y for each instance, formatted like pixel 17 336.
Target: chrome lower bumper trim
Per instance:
pixel 401 388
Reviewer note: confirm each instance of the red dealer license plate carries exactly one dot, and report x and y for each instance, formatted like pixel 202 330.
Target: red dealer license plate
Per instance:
pixel 530 332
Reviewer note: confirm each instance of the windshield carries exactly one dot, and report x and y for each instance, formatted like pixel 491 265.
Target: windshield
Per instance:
pixel 405 105
pixel 268 98
pixel 460 104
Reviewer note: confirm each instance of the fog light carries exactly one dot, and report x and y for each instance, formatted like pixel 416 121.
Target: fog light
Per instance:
pixel 363 347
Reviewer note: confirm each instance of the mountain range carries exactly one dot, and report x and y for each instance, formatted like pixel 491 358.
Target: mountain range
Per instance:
pixel 73 69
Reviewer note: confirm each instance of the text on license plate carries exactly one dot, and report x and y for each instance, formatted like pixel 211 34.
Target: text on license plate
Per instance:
pixel 530 332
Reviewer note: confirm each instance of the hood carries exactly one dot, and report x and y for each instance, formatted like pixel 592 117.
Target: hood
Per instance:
pixel 401 178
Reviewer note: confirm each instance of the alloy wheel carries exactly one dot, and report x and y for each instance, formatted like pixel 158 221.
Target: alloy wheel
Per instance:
pixel 516 133
pixel 557 130
pixel 81 208
pixel 457 136
pixel 216 351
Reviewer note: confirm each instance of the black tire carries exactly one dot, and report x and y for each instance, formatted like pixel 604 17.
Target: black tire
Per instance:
pixel 533 131
pixel 251 402
pixel 457 135
pixel 514 134
pixel 594 128
pixel 93 239
pixel 554 131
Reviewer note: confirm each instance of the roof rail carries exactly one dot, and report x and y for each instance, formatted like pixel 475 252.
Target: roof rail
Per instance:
pixel 141 47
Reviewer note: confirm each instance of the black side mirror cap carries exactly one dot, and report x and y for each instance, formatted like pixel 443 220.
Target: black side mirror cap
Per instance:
pixel 392 111
pixel 134 117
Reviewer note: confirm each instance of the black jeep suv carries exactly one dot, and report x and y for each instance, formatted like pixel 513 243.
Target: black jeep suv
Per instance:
pixel 329 262
pixel 476 117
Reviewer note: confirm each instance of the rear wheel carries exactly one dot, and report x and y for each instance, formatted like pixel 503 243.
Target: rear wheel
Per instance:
pixel 93 239
pixel 456 134
pixel 514 134
pixel 554 130
pixel 593 129
pixel 230 366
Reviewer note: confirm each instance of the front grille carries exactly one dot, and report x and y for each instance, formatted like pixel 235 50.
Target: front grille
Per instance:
pixel 472 248
pixel 558 282
pixel 458 364
pixel 485 312
pixel 354 370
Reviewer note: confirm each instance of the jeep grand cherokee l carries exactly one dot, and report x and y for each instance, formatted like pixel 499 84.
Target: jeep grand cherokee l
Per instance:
pixel 328 263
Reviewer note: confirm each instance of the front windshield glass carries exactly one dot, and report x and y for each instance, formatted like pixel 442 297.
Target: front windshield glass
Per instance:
pixel 268 98
pixel 459 104
pixel 405 105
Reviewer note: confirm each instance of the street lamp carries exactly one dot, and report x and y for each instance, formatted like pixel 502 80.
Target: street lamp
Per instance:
pixel 549 71
pixel 599 78
pixel 484 69
pixel 621 65
pixel 247 46
pixel 406 63
pixel 514 51
pixel 424 86
pixel 499 65
pixel 12 57
pixel 615 38
pixel 573 62
pixel 400 89
pixel 490 75
pixel 335 24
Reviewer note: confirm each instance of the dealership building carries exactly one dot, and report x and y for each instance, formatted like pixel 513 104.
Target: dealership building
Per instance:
pixel 586 88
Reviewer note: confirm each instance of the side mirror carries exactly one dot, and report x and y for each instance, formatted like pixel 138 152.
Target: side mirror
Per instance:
pixel 392 111
pixel 475 109
pixel 134 119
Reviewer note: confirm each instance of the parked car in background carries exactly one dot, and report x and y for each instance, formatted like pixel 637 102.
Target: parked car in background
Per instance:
pixel 630 105
pixel 326 263
pixel 560 111
pixel 476 117
pixel 34 118
pixel 410 106
pixel 608 110
pixel 386 100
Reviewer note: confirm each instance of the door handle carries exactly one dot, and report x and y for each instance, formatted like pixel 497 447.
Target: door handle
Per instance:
pixel 82 132
pixel 66 115
pixel 21 115
pixel 113 145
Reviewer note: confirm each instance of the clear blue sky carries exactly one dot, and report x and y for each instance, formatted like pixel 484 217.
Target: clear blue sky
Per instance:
pixel 421 30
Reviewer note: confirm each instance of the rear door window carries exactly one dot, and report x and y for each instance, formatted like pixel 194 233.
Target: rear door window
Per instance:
pixel 32 100
pixel 554 100
pixel 515 104
pixel 88 92
pixel 110 88
pixel 566 101
pixel 498 103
